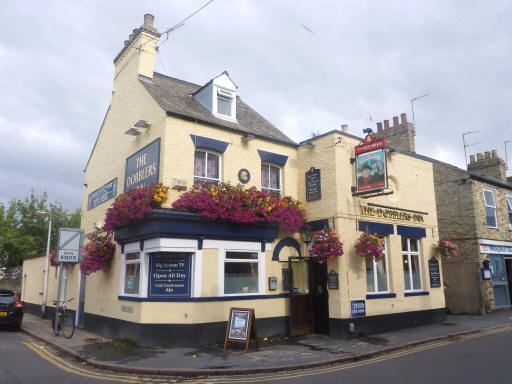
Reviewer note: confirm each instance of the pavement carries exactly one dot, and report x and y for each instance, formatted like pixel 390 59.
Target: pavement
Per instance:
pixel 274 354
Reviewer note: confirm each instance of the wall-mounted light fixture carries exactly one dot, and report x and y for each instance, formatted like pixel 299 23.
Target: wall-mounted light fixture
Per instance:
pixel 136 129
pixel 142 124
pixel 248 137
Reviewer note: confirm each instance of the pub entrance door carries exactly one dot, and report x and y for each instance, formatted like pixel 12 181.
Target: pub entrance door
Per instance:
pixel 309 299
pixel 499 281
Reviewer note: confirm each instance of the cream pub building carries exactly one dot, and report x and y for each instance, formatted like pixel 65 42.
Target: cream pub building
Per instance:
pixel 158 128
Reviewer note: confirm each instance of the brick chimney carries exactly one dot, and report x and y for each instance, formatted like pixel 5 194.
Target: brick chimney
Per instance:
pixel 139 50
pixel 488 164
pixel 400 135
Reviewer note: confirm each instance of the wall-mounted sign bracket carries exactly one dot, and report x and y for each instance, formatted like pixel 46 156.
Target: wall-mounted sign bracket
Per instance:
pixel 364 195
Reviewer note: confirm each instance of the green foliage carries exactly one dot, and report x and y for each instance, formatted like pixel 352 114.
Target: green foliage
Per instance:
pixel 24 233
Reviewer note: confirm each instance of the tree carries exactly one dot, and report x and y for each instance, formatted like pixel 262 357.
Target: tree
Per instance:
pixel 25 233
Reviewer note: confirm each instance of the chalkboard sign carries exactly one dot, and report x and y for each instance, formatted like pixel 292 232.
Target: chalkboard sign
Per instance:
pixel 358 308
pixel 433 272
pixel 332 280
pixel 313 185
pixel 169 274
pixel 241 327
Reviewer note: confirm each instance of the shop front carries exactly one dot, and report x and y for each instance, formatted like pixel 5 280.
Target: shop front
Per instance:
pixel 499 255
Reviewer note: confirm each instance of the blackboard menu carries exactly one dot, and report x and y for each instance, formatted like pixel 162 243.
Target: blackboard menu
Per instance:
pixel 169 274
pixel 433 272
pixel 313 185
pixel 239 324
pixel 332 280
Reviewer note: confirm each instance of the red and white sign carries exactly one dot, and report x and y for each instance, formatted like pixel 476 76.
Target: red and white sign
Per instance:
pixel 370 144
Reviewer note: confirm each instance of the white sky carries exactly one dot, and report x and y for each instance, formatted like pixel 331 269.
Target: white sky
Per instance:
pixel 304 65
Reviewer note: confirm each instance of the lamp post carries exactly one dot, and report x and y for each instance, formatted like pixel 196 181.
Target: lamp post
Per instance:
pixel 46 265
pixel 306 234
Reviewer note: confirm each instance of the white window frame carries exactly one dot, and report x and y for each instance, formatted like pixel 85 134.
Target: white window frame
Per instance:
pixel 410 253
pixel 238 246
pixel 375 278
pixel 206 178
pixel 509 207
pixel 268 189
pixel 133 248
pixel 490 206
pixel 224 94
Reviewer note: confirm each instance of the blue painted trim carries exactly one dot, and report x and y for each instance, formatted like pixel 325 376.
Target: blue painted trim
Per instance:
pixel 373 227
pixel 318 225
pixel 141 245
pixel 262 246
pixel 422 293
pixel 198 299
pixel 205 142
pixel 380 296
pixel 417 232
pixel 269 157
pixel 286 242
pixel 167 223
pixel 200 244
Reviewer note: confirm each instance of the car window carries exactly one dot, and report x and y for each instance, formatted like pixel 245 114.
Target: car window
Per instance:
pixel 6 298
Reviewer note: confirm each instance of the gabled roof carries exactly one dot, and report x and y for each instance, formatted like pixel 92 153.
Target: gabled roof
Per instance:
pixel 175 97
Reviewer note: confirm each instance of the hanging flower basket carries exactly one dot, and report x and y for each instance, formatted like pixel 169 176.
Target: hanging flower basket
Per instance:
pixel 98 253
pixel 326 245
pixel 370 245
pixel 242 206
pixel 134 205
pixel 445 248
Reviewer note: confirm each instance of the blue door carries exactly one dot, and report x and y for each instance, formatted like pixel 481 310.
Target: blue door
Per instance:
pixel 499 281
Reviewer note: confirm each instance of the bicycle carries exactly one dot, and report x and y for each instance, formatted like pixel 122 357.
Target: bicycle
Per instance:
pixel 63 321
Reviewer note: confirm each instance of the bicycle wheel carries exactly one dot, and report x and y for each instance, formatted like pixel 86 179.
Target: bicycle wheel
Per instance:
pixel 67 324
pixel 56 323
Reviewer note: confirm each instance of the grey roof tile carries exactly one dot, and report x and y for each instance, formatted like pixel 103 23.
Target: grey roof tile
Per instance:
pixel 174 96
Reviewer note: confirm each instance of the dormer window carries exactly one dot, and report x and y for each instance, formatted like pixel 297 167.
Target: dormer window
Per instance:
pixel 219 97
pixel 224 102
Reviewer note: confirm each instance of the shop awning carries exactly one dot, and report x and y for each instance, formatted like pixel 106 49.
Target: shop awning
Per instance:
pixel 372 227
pixel 417 232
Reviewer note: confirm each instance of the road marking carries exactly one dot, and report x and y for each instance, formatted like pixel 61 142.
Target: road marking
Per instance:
pixel 72 368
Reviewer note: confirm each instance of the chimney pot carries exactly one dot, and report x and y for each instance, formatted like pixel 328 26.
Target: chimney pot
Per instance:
pixel 379 127
pixel 487 154
pixel 386 124
pixel 148 21
pixel 479 156
pixel 395 121
pixel 472 158
pixel 344 128
pixel 494 153
pixel 403 116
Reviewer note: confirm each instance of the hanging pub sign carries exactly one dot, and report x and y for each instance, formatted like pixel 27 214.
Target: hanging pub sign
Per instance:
pixel 313 185
pixel 169 274
pixel 142 167
pixel 371 166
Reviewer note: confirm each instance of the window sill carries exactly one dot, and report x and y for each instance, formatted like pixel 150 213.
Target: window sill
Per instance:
pixel 370 296
pixel 416 293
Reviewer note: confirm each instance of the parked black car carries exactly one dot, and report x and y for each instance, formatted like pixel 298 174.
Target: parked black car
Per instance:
pixel 11 309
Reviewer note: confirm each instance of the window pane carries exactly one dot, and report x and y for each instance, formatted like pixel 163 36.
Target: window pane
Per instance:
pixel 132 256
pixel 199 164
pixel 416 276
pixel 213 166
pixel 131 280
pixel 414 245
pixel 489 198
pixel 265 176
pixel 242 255
pixel 223 106
pixel 370 281
pixel 382 277
pixel 240 278
pixel 490 216
pixel 405 247
pixel 274 178
pixel 407 276
pixel 509 201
